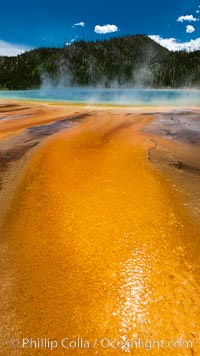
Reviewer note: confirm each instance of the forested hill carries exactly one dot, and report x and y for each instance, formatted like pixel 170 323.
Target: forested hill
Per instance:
pixel 131 61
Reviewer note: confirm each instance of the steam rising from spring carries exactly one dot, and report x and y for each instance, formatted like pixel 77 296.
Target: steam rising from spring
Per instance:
pixel 133 97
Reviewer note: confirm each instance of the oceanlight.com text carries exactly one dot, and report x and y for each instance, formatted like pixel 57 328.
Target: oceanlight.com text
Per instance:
pixel 95 343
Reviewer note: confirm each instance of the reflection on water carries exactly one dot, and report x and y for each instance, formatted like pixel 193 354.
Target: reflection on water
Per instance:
pixel 134 294
pixel 109 96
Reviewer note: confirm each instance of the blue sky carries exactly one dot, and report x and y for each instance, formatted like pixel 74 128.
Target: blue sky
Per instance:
pixel 35 23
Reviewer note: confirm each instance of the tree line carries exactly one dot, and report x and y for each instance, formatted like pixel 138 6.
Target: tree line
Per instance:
pixel 129 61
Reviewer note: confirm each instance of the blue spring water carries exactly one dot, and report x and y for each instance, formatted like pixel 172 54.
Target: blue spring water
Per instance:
pixel 134 97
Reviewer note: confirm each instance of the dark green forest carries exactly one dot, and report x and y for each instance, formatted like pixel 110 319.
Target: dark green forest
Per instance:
pixel 130 61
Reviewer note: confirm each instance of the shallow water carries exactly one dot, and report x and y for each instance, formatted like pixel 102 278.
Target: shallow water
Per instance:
pixel 97 244
pixel 141 97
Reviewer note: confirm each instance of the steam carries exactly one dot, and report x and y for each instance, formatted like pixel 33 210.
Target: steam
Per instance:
pixel 135 88
pixel 132 97
pixel 141 77
pixel 63 77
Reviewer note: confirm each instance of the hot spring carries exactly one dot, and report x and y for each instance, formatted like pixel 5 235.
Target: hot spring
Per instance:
pixel 133 97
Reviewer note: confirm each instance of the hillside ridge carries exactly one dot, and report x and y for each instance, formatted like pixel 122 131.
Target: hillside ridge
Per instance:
pixel 128 61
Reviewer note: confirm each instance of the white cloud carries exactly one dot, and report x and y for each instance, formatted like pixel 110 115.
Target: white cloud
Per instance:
pixel 197 12
pixel 10 49
pixel 81 24
pixel 69 43
pixel 173 45
pixel 190 29
pixel 188 18
pixel 102 30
